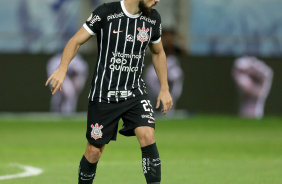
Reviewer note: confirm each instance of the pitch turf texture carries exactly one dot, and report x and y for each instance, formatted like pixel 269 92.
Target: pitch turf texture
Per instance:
pixel 197 150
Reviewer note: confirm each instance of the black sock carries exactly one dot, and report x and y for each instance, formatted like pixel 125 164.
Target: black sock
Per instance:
pixel 86 172
pixel 151 163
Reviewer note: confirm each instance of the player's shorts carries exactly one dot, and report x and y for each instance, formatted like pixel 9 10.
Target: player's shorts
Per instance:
pixel 103 118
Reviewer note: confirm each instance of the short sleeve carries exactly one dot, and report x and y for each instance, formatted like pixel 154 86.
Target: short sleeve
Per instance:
pixel 94 23
pixel 157 30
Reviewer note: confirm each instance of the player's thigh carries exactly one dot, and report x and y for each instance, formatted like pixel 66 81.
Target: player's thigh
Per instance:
pixel 141 114
pixel 102 122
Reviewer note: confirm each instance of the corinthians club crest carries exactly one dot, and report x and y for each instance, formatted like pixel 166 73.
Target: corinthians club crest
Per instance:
pixel 143 34
pixel 96 132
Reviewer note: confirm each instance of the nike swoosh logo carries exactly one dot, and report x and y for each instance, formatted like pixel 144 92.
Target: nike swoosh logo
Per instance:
pixel 115 32
pixel 150 121
pixel 85 179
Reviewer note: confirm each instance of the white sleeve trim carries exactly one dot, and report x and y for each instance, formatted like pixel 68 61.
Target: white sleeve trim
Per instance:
pixel 88 29
pixel 157 41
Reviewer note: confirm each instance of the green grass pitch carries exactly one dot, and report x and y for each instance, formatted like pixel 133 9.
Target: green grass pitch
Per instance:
pixel 206 149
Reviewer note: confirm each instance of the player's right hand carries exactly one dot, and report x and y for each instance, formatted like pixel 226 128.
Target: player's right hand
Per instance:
pixel 56 80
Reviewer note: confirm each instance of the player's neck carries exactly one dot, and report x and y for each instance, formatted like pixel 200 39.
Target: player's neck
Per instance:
pixel 132 6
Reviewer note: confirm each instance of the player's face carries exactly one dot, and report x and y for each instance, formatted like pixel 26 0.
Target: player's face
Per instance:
pixel 146 6
pixel 151 3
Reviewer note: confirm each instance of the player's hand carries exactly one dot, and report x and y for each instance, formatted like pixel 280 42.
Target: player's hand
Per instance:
pixel 166 100
pixel 56 80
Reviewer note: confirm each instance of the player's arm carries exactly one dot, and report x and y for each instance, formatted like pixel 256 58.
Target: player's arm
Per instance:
pixel 57 78
pixel 160 65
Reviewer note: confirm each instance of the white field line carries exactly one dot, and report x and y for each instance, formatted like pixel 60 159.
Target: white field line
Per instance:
pixel 28 171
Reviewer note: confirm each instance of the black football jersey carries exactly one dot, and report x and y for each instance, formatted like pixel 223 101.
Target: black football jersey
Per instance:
pixel 122 43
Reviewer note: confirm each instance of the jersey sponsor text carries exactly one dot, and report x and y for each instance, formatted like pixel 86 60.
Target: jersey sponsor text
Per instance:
pixel 119 94
pixel 115 16
pixel 148 20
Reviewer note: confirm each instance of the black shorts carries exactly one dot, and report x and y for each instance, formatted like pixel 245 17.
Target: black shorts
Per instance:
pixel 103 118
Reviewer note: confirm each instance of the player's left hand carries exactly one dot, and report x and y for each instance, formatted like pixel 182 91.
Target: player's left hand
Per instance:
pixel 166 100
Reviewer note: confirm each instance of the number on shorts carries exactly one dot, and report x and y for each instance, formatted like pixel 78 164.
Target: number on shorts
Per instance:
pixel 147 105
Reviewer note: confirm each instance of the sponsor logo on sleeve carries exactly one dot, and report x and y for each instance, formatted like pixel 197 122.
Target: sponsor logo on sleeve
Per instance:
pixel 94 19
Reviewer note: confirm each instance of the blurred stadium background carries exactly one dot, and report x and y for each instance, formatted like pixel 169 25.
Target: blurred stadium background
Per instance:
pixel 216 146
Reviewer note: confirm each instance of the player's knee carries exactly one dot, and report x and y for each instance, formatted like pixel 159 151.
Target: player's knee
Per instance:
pixel 147 139
pixel 93 152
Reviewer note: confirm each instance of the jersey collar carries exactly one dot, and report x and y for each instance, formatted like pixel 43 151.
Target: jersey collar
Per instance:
pixel 127 13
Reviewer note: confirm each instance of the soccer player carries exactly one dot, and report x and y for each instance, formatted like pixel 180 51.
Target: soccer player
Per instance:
pixel 66 101
pixel 253 79
pixel 124 31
